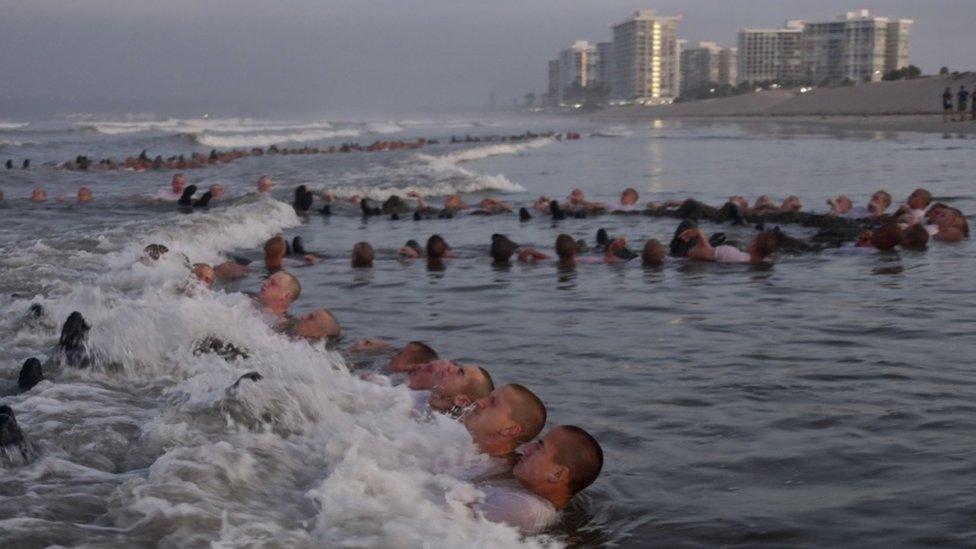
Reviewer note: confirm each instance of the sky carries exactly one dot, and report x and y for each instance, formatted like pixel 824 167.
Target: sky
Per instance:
pixel 361 57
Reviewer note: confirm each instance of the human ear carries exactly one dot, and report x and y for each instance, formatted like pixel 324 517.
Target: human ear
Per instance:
pixel 512 431
pixel 559 474
pixel 462 401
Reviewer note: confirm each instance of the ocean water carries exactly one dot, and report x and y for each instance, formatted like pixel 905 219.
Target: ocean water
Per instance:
pixel 824 401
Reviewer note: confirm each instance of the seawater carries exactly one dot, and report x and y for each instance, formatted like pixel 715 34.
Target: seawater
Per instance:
pixel 827 400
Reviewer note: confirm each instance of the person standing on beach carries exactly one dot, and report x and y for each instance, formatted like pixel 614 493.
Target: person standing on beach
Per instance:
pixel 946 105
pixel 962 98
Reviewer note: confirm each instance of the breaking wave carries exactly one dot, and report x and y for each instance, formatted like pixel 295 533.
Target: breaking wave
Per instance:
pixel 151 445
pixel 486 151
pixel 265 139
pixel 383 127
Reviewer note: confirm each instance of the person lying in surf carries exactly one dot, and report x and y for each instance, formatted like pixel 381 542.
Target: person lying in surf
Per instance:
pixel 277 294
pixel 410 250
pixel 576 201
pixel 758 251
pixel 946 224
pixel 509 416
pixel 654 253
pixel 314 326
pixel 451 386
pixel 275 252
pixel 548 474
pixel 913 210
pixel 362 255
pixel 627 203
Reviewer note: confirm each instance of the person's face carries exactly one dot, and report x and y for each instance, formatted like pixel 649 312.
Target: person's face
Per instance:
pixel 844 204
pixel 275 289
pixel 628 198
pixel 538 462
pixel 877 204
pixel 264 185
pixel 38 195
pixel 792 204
pixel 434 373
pixel 576 196
pixel 453 201
pixel 491 415
pixel 179 183
pixel 311 326
pixel 216 191
pixel 84 194
pixel 204 274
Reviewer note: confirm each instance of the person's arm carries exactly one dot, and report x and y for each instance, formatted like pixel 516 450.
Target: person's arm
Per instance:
pixel 703 250
pixel 407 252
pixel 421 204
pixel 531 254
pixel 230 270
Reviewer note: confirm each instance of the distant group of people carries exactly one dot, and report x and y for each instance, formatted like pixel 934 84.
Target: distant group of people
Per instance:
pixel 963 98
pixel 143 162
pixel 527 136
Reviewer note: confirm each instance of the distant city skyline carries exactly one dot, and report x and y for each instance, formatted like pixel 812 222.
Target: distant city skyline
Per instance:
pixel 346 57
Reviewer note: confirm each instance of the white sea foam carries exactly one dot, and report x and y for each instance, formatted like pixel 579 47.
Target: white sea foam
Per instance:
pixel 200 125
pixel 13 125
pixel 14 143
pixel 265 139
pixel 437 175
pixel 613 131
pixel 383 127
pixel 151 439
pixel 477 153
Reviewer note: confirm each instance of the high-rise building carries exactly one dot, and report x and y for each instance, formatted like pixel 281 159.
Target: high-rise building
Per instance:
pixel 855 47
pixel 728 66
pixel 576 66
pixel 771 54
pixel 707 65
pixel 604 63
pixel 646 58
pixel 552 92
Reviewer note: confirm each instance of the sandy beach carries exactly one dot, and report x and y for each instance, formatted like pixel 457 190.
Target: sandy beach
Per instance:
pixel 902 106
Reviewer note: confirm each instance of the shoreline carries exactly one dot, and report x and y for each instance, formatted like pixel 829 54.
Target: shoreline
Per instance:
pixel 901 106
pixel 893 123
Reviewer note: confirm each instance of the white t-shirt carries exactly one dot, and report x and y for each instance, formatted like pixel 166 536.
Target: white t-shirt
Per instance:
pixel 167 195
pixel 726 253
pixel 507 501
pixel 914 217
pixel 932 229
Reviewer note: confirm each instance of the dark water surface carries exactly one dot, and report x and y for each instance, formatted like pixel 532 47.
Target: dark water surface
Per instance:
pixel 827 400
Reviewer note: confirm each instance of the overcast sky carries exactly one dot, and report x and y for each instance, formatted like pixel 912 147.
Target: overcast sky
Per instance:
pixel 345 57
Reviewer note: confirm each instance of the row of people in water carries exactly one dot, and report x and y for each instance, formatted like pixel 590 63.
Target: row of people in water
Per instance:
pixel 688 242
pixel 842 223
pixel 143 162
pixel 528 478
